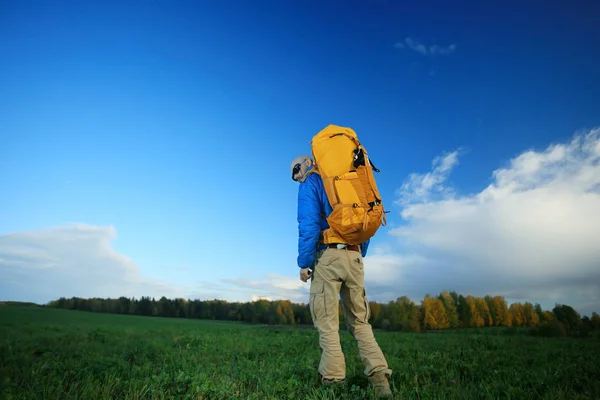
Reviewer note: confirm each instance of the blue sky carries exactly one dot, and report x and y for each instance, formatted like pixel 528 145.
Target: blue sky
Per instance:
pixel 166 129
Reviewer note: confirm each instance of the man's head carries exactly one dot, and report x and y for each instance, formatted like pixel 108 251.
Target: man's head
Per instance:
pixel 300 166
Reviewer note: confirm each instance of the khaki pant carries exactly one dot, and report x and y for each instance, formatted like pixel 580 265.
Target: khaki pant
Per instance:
pixel 340 272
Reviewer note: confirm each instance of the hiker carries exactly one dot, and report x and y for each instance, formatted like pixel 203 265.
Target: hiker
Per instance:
pixel 337 269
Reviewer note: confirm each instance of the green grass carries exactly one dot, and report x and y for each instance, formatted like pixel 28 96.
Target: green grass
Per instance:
pixel 51 354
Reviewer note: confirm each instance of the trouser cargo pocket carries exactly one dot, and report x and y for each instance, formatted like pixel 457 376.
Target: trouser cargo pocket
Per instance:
pixel 357 305
pixel 317 303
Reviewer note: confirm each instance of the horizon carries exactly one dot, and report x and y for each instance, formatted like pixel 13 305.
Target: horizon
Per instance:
pixel 142 148
pixel 54 303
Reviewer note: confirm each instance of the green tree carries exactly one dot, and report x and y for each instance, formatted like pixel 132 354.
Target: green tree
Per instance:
pixel 531 317
pixel 595 320
pixel 568 316
pixel 465 313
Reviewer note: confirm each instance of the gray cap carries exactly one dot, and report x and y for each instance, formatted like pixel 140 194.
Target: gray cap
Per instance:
pixel 299 160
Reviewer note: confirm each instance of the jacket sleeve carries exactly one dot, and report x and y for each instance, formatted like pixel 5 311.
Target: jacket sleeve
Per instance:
pixel 364 247
pixel 309 229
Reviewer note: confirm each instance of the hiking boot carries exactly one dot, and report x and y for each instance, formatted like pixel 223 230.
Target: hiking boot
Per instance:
pixel 331 382
pixel 380 385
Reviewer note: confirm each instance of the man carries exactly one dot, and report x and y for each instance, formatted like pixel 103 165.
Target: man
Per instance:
pixel 337 270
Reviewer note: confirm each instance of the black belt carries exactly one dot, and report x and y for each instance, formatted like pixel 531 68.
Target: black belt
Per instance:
pixel 351 247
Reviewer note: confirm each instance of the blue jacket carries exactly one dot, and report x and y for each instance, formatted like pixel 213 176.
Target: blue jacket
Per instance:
pixel 313 206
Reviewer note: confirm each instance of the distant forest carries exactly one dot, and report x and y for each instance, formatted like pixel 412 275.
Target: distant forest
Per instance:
pixel 445 311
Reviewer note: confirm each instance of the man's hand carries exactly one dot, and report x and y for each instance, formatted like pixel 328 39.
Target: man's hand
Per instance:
pixel 304 274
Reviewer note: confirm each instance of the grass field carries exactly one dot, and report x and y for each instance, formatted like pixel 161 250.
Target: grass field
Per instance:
pixel 62 354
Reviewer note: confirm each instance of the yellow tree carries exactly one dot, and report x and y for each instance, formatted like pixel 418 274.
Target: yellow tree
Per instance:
pixel 493 315
pixel 476 319
pixel 375 313
pixel 428 313
pixel 517 317
pixel 450 308
pixel 280 316
pixel 288 311
pixel 285 312
pixel 484 311
pixel 548 316
pixel 501 310
pixel 439 312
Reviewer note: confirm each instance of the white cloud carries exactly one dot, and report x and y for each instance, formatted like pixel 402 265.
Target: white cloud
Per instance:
pixel 532 234
pixel 423 186
pixel 74 260
pixel 415 45
pixel 78 260
pixel 272 286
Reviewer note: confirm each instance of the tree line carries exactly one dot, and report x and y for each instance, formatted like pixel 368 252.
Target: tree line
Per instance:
pixel 448 310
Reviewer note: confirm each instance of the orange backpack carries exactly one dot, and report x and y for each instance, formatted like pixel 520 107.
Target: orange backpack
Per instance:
pixel 347 173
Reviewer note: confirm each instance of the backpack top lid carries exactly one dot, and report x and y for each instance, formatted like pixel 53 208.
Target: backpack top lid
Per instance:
pixel 332 130
pixel 333 150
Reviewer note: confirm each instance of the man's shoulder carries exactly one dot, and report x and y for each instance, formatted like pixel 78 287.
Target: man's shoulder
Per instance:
pixel 314 179
pixel 313 183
